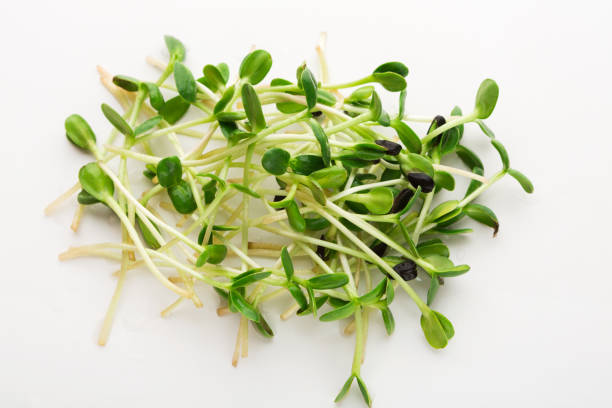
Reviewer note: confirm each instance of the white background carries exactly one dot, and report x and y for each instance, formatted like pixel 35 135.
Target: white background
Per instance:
pixel 532 317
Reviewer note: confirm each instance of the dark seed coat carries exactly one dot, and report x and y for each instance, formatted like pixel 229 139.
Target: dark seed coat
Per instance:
pixel 380 249
pixel 401 199
pixel 407 270
pixel 393 149
pixel 278 198
pixel 421 179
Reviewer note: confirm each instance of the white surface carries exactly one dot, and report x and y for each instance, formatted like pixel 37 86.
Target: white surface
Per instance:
pixel 532 316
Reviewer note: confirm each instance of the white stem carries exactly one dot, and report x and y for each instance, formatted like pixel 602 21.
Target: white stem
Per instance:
pixel 461 172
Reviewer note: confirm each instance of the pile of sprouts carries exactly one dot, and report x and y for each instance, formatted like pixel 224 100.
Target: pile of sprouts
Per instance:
pixel 349 189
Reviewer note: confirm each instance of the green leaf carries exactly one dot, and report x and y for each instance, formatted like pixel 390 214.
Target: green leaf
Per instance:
pixel 468 157
pixel 402 104
pixel 337 302
pixel 169 171
pixel 79 132
pixel 147 125
pixel 449 330
pixel 296 221
pixel 210 191
pixel 453 231
pixel 503 154
pixel 457 112
pixel 375 107
pixel 244 189
pixel 483 215
pixel 439 263
pixel 230 117
pixel 328 281
pixel 330 177
pixel 185 83
pixel 225 100
pixel 84 198
pixel 411 162
pixel 396 67
pixel 389 292
pixel 321 137
pixel 388 320
pixel 242 306
pixel 340 313
pixel 175 48
pixel 275 161
pixel 281 82
pixel 409 139
pixel 364 391
pixel 435 333
pixel 313 301
pixel 117 120
pixel 522 179
pixel 345 388
pixel 454 271
pixel 202 235
pixel 325 97
pixel 255 66
pixel 96 182
pixel 375 294
pixel 309 84
pixel 316 224
pixel 390 174
pixel 434 285
pixel 450 218
pixel 287 263
pixel 222 293
pixel 212 254
pixel 306 164
pixel 450 140
pixel 318 303
pixel 390 81
pixel 238 136
pixel 249 277
pixel 384 119
pixel 147 235
pixel 214 77
pixel 126 82
pixel 360 94
pixel 369 151
pixel 485 129
pixel 290 107
pixel 486 98
pixel 298 295
pixel 252 107
pixel 444 180
pixel 263 327
pixel 156 99
pixel 379 200
pixel 182 197
pixel 298 73
pixel 433 247
pixel 150 171
pixel 352 161
pixel 174 109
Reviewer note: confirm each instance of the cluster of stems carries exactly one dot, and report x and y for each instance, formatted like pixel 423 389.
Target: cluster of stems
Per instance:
pixel 345 188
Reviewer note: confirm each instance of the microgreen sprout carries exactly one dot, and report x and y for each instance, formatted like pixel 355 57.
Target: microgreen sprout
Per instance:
pixel 355 194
